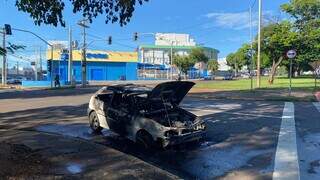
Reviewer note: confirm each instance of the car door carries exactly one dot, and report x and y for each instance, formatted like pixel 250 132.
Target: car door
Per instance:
pixel 115 115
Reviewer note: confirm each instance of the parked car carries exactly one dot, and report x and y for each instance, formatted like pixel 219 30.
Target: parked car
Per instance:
pixel 14 81
pixel 228 77
pixel 208 77
pixel 150 117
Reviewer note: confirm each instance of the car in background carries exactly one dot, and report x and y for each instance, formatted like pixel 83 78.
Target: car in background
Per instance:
pixel 14 81
pixel 149 117
pixel 245 75
pixel 228 77
pixel 208 77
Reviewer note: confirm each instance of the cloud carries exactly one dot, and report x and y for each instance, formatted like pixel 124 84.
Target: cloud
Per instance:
pixel 236 21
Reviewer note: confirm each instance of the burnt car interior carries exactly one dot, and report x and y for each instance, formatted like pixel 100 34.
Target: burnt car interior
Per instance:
pixel 160 105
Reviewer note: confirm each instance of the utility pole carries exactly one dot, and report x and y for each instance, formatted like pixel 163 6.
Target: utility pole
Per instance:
pixel 171 62
pixel 40 63
pixel 36 67
pixel 17 68
pixel 251 48
pixel 259 46
pixel 4 59
pixel 70 69
pixel 82 23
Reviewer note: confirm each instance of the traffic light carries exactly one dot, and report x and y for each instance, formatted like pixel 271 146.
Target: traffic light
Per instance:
pixel 135 36
pixel 7 29
pixel 49 65
pixel 110 40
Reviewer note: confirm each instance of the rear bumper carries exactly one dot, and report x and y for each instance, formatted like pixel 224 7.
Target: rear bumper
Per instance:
pixel 180 139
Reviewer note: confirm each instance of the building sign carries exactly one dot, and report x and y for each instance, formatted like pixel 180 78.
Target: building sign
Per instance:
pixel 97 56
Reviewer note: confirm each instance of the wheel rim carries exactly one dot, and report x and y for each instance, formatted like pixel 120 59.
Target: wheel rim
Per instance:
pixel 95 122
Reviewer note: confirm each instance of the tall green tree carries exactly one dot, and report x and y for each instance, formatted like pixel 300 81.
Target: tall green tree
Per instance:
pixel 183 63
pixel 306 19
pixel 213 65
pixel 51 11
pixel 277 39
pixel 242 57
pixel 198 54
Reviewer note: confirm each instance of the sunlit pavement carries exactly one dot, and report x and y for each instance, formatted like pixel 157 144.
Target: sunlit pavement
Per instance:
pixel 241 142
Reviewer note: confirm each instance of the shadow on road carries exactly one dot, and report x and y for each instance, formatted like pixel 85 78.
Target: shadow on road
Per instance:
pixel 239 133
pixel 41 93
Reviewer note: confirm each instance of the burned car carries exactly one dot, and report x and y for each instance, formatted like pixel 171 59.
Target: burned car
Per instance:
pixel 150 117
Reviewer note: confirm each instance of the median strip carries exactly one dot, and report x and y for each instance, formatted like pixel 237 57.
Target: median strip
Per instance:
pixel 286 164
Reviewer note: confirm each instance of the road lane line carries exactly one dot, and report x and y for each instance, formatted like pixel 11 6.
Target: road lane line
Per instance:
pixel 286 165
pixel 317 105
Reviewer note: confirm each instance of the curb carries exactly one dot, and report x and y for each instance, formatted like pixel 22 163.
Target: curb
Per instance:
pixel 317 94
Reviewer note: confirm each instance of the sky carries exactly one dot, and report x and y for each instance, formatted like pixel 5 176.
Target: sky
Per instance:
pixel 223 25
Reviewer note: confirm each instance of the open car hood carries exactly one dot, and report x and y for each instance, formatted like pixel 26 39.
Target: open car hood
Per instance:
pixel 173 91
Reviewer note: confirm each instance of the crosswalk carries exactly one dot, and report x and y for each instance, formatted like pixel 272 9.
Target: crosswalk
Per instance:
pixel 286 165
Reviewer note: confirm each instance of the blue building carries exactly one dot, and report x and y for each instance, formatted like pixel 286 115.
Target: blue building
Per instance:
pixel 101 65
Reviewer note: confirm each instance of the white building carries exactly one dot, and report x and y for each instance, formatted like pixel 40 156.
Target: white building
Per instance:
pixel 181 44
pixel 168 39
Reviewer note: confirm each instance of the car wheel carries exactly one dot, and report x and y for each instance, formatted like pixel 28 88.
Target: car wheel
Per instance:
pixel 94 122
pixel 145 140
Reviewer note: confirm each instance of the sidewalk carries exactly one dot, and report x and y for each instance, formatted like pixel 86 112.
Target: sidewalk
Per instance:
pixel 35 155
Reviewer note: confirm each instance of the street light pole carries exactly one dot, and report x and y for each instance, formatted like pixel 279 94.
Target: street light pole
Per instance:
pixel 171 62
pixel 4 60
pixel 259 46
pixel 51 46
pixel 251 48
pixel 70 73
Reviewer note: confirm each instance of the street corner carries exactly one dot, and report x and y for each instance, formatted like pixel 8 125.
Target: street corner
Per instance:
pixel 37 155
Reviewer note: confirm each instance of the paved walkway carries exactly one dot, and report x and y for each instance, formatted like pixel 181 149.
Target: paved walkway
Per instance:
pixel 36 155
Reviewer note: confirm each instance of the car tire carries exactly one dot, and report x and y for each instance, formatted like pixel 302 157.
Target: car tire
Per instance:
pixel 145 140
pixel 94 122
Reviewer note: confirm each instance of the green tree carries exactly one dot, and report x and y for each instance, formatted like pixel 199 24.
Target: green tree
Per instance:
pixel 198 55
pixel 277 39
pixel 306 19
pixel 183 63
pixel 51 11
pixel 240 58
pixel 213 65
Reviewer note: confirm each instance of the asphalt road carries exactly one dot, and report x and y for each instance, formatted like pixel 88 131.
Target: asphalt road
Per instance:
pixel 241 142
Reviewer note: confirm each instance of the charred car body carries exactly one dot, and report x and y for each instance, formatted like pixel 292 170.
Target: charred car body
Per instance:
pixel 151 117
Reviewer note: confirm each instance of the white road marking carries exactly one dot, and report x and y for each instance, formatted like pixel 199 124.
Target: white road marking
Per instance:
pixel 317 105
pixel 286 165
